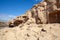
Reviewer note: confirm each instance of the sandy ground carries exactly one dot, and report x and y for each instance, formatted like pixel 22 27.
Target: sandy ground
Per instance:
pixel 31 32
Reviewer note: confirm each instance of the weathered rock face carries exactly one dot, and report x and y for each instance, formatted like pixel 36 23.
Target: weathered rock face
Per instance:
pixel 41 13
pixel 53 7
pixel 18 20
pixel 54 4
pixel 36 15
pixel 54 17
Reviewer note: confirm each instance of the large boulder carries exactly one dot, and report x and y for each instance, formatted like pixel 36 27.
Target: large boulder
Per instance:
pixel 17 21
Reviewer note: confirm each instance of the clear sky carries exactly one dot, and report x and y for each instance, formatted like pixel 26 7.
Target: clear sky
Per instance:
pixel 12 8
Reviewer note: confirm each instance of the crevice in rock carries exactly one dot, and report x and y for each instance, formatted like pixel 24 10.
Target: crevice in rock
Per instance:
pixel 28 35
pixel 11 25
pixel 43 30
pixel 37 38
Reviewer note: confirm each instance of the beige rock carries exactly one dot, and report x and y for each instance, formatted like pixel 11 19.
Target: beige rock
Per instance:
pixel 39 13
pixel 31 32
pixel 51 1
pixel 43 4
pixel 29 14
pixel 42 14
pixel 25 28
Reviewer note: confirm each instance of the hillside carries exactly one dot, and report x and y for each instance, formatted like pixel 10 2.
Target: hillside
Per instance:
pixel 41 22
pixel 3 24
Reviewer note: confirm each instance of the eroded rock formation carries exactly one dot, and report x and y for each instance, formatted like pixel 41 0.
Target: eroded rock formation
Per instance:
pixel 32 25
pixel 42 13
pixel 53 9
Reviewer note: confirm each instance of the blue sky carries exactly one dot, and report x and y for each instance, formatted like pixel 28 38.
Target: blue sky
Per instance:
pixel 12 8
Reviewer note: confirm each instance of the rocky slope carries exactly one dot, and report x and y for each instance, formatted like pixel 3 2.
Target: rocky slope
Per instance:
pixel 39 23
pixel 42 13
pixel 31 32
